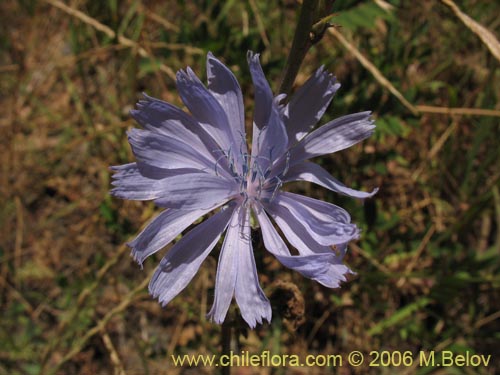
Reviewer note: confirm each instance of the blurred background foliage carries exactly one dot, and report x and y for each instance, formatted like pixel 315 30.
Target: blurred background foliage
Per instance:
pixel 428 261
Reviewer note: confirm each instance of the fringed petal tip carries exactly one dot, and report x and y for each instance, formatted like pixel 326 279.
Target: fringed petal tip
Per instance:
pixel 340 273
pixel 253 324
pixel 181 76
pixel 135 253
pixel 214 318
pixel 356 233
pixel 368 195
pixel 142 103
pixel 123 169
pixel 187 76
pixel 117 192
pixel 333 84
pixel 252 57
pixel 137 258
pixel 157 294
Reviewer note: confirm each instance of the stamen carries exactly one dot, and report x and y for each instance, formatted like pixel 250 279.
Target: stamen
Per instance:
pixel 254 171
pixel 258 137
pixel 287 164
pixel 231 163
pixel 217 165
pixel 245 169
pixel 245 202
pixel 243 142
pixel 267 173
pixel 259 189
pixel 276 188
pixel 243 185
pixel 271 153
pixel 218 159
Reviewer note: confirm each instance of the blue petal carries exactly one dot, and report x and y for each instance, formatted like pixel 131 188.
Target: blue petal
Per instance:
pixel 308 104
pixel 253 303
pixel 195 191
pixel 182 262
pixel 269 135
pixel 325 268
pixel 334 136
pixel 164 118
pixel 134 169
pixel 325 229
pixel 131 184
pixel 186 190
pixel 205 108
pixel 307 171
pixel 323 211
pixel 225 88
pixel 295 232
pixel 237 275
pixel 227 269
pixel 166 152
pixel 163 229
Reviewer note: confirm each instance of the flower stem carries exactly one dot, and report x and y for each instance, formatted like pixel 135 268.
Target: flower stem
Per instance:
pixel 300 45
pixel 306 34
pixel 226 333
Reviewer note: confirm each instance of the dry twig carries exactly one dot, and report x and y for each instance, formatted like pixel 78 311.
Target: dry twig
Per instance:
pixel 373 70
pixel 482 32
pixel 458 111
pixel 99 327
pixel 109 32
pixel 82 298
pixel 113 354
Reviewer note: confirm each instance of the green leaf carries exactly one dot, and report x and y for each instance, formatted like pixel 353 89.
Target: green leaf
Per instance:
pixel 399 316
pixel 362 16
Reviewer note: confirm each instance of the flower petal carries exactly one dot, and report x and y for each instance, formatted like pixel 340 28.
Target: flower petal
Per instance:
pixel 236 274
pixel 166 152
pixel 295 232
pixel 187 190
pixel 161 231
pixel 225 88
pixel 164 118
pixel 227 270
pixel 253 303
pixel 131 184
pixel 308 104
pixel 325 232
pixel 182 262
pixel 205 108
pixel 334 136
pixel 135 169
pixel 307 171
pixel 323 211
pixel 269 135
pixel 263 95
pixel 325 268
pixel 195 191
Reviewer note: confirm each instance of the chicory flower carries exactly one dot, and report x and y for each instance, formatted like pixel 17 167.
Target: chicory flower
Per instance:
pixel 192 164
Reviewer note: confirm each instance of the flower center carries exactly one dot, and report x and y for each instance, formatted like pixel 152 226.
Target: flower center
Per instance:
pixel 253 175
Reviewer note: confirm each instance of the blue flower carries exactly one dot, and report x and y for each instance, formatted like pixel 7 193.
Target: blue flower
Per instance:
pixel 192 164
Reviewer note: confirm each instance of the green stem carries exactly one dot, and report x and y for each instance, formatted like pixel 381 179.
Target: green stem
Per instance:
pixel 300 45
pixel 310 29
pixel 226 333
